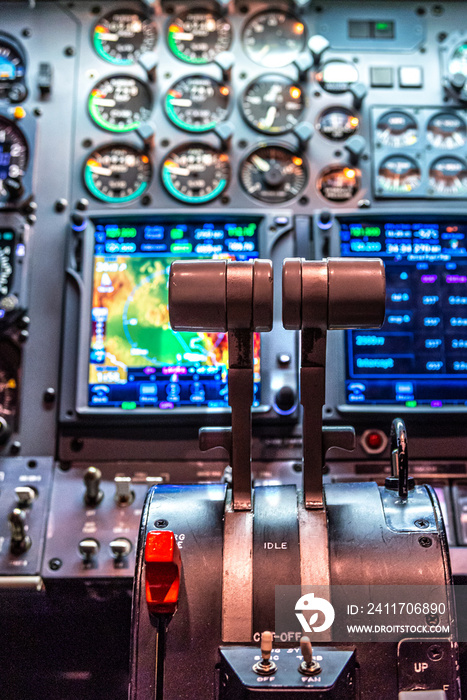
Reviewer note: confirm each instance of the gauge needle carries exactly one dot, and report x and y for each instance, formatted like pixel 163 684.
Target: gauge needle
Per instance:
pixel 110 37
pixel 184 36
pixel 102 102
pixel 97 170
pixel 261 164
pixel 175 170
pixel 179 102
pixel 270 116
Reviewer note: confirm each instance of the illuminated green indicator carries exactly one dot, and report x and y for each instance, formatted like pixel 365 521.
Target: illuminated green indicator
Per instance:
pixel 382 26
pixel 116 232
pixel 176 233
pixel 411 404
pixel 180 248
pixel 7 236
pixel 246 231
pixel 128 405
pixel 100 121
pixel 371 231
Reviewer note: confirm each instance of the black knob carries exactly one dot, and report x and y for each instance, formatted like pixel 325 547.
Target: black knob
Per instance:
pixel 285 399
pixel 14 187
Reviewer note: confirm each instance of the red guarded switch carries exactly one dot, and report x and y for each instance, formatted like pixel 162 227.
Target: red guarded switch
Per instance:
pixel 163 569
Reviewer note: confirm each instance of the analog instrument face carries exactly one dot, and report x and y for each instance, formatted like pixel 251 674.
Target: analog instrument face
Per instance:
pixel 273 104
pixel 274 38
pixel 398 175
pixel 197 103
pixel 339 184
pixel 448 177
pixel 446 130
pixel 11 67
pixel 117 173
pixel 458 61
pixel 337 76
pixel 198 36
pixel 397 129
pixel 273 174
pixel 13 158
pixel 122 37
pixel 337 123
pixel 120 103
pixel 196 174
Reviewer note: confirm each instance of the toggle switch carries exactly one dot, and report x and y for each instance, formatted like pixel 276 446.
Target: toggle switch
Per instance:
pixel 88 550
pixel 92 481
pixel 124 496
pixel 25 496
pixel 163 568
pixel 266 667
pixel 20 542
pixel 308 667
pixel 120 548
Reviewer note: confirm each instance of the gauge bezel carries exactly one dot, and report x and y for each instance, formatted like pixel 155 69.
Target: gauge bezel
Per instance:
pixel 122 10
pixel 335 108
pixel 280 145
pixel 382 192
pixel 267 11
pixel 182 125
pixel 179 55
pixel 338 166
pixel 258 79
pixel 100 123
pixel 184 199
pixel 105 198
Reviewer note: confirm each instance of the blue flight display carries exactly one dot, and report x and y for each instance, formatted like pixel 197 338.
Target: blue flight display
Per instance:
pixel 419 357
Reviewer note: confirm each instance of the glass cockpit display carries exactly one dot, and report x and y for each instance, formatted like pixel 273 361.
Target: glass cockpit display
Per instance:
pixel 419 357
pixel 135 359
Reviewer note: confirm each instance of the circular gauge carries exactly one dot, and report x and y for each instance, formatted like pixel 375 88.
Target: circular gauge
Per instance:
pixel 339 184
pixel 448 176
pixel 198 36
pixel 197 103
pixel 117 173
pixel 337 123
pixel 273 174
pixel 274 38
pixel 13 159
pixel 273 103
pixel 9 364
pixel 196 174
pixel 337 76
pixel 397 129
pixel 398 175
pixel 458 61
pixel 11 64
pixel 446 130
pixel 120 103
pixel 122 37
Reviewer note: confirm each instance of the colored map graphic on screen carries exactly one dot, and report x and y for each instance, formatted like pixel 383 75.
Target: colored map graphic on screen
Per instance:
pixel 136 359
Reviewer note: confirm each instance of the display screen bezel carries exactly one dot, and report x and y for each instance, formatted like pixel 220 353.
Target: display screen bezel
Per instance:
pixel 82 408
pixel 336 399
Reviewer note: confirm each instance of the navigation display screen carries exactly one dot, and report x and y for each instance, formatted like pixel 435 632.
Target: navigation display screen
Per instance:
pixel 419 357
pixel 136 360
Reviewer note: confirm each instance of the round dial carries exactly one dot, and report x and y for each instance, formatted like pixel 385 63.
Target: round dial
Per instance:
pixel 11 66
pixel 458 61
pixel 337 76
pixel 13 159
pixel 448 176
pixel 196 173
pixel 446 130
pixel 273 174
pixel 120 103
pixel 398 175
pixel 122 37
pixel 339 184
pixel 397 129
pixel 273 103
pixel 9 364
pixel 117 173
pixel 198 36
pixel 197 103
pixel 337 123
pixel 274 38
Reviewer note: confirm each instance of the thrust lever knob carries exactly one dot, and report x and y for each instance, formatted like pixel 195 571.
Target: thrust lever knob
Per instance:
pixel 265 667
pixel 20 541
pixel 92 481
pixel 308 667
